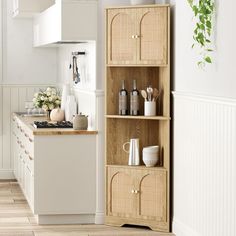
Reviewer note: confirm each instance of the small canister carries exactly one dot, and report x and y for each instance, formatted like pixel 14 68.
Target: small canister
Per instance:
pixel 80 122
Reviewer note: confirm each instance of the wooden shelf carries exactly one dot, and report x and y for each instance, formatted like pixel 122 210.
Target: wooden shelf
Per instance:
pixel 138 117
pixel 142 167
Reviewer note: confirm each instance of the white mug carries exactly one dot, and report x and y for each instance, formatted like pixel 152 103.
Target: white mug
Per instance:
pixel 134 159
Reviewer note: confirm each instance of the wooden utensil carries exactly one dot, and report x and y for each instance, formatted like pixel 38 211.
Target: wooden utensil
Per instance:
pixel 156 94
pixel 144 94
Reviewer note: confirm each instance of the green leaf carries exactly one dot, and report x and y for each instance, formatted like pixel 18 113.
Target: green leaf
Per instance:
pixel 201 18
pixel 208 59
pixel 208 24
pixel 209 50
pixel 202 27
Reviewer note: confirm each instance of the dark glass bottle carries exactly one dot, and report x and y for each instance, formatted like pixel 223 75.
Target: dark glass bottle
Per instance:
pixel 123 100
pixel 134 100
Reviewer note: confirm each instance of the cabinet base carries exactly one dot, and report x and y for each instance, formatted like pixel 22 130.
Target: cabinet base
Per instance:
pixel 66 219
pixel 153 225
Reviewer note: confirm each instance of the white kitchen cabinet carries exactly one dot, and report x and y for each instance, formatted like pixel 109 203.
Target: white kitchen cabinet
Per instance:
pixel 67 21
pixel 52 170
pixel 29 8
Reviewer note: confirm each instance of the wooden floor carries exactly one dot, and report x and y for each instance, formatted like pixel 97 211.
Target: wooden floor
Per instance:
pixel 16 219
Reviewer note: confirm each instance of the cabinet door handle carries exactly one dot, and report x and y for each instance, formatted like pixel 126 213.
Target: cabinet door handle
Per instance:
pixel 137 36
pixel 133 36
pixel 132 191
pixel 136 191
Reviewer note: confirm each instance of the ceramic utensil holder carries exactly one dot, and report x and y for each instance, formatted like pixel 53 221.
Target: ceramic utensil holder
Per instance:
pixel 149 108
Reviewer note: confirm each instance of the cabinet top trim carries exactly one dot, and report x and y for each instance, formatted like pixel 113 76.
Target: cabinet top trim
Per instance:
pixel 138 6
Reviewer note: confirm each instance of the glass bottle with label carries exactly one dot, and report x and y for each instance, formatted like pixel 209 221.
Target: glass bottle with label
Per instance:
pixel 134 100
pixel 123 100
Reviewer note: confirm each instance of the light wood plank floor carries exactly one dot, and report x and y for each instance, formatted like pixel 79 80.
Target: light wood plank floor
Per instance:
pixel 16 219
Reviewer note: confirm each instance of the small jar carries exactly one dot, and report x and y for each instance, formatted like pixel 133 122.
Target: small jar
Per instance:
pixel 80 122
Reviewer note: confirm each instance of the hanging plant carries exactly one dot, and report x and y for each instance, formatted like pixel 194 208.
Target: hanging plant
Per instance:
pixel 203 13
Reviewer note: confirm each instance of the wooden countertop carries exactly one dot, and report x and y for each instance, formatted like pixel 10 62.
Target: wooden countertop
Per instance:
pixel 28 122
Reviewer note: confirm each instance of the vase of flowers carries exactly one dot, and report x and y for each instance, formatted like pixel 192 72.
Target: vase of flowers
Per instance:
pixel 47 100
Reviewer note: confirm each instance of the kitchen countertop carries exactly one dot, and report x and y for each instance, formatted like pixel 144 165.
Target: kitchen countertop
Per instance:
pixel 28 122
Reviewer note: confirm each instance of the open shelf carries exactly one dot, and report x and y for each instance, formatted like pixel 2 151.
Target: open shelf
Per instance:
pixel 138 117
pixel 141 167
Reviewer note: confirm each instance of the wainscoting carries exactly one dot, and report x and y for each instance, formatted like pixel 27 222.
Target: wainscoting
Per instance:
pixel 12 98
pixel 204 164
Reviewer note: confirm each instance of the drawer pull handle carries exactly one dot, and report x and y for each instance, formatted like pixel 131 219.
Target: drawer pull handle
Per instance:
pixel 133 36
pixel 133 191
pixel 136 191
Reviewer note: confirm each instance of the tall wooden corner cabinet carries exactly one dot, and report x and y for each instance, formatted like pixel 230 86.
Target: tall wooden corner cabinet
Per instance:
pixel 138 47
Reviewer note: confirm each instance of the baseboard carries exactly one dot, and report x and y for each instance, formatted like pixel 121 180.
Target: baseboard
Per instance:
pixel 66 219
pixel 180 229
pixel 99 218
pixel 6 174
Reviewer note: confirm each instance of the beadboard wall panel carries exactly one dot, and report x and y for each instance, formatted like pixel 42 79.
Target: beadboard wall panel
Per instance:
pixel 204 166
pixel 13 98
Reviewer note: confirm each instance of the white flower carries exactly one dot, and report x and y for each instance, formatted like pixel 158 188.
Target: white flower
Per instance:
pixel 36 95
pixel 45 107
pixel 58 102
pixel 51 106
pixel 42 98
pixel 54 92
pixel 50 99
pixel 34 100
pixel 49 89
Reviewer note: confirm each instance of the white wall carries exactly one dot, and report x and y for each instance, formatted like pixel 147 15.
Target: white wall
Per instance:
pixel 204 128
pixel 86 65
pixel 217 79
pixel 25 70
pixel 23 64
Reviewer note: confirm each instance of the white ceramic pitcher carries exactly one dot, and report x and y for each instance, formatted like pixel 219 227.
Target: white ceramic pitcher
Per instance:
pixel 134 159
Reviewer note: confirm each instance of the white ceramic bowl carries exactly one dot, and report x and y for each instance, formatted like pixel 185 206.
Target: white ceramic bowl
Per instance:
pixel 137 2
pixel 150 159
pixel 151 149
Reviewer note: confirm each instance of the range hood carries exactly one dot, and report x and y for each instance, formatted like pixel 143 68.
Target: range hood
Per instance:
pixel 66 22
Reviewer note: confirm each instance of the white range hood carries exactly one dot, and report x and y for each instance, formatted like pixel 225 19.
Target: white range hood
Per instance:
pixel 67 21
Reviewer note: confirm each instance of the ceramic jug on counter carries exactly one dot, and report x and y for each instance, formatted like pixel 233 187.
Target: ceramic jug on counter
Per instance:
pixel 70 108
pixel 80 122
